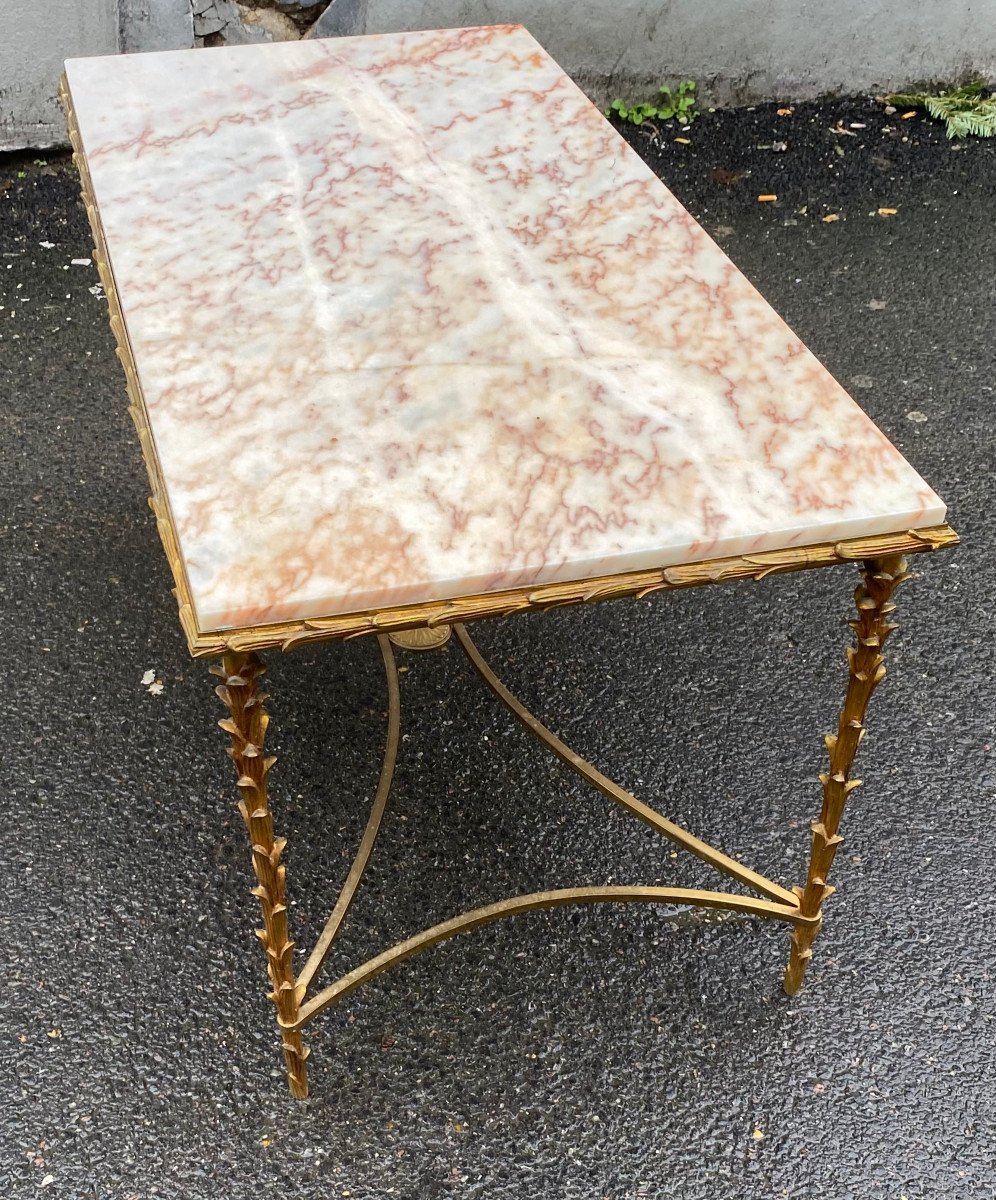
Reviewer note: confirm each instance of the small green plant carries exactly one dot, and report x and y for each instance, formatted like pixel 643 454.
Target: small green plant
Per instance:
pixel 632 115
pixel 964 110
pixel 674 104
pixel 679 103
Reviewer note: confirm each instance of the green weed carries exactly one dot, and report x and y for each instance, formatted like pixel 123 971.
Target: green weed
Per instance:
pixel 674 104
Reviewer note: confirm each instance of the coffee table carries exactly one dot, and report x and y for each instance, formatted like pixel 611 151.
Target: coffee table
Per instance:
pixel 413 338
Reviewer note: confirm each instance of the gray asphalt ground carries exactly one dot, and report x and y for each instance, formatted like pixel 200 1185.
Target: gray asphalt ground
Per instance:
pixel 585 1054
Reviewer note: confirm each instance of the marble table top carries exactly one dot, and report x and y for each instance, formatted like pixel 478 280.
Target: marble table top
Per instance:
pixel 412 321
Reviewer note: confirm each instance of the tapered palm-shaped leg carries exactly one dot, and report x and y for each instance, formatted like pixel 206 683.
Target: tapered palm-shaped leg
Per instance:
pixel 866 665
pixel 246 725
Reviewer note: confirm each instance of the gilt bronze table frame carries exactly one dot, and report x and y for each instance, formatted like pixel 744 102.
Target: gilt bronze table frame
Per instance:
pixel 883 566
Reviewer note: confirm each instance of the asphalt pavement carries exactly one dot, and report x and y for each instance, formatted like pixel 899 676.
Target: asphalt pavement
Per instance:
pixel 579 1055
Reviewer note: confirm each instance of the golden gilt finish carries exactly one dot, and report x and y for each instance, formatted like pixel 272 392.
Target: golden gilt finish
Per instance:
pixel 532 902
pixel 866 670
pixel 800 907
pixel 246 726
pixel 638 584
pixel 422 637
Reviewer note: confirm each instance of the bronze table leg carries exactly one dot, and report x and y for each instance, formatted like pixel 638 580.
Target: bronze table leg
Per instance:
pixel 873 597
pixel 246 726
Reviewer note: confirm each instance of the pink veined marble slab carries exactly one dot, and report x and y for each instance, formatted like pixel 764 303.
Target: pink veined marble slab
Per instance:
pixel 412 321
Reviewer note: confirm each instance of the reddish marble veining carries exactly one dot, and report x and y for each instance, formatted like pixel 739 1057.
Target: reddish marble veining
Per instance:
pixel 413 321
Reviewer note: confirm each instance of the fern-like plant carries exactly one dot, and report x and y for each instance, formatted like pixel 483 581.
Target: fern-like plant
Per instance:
pixel 966 111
